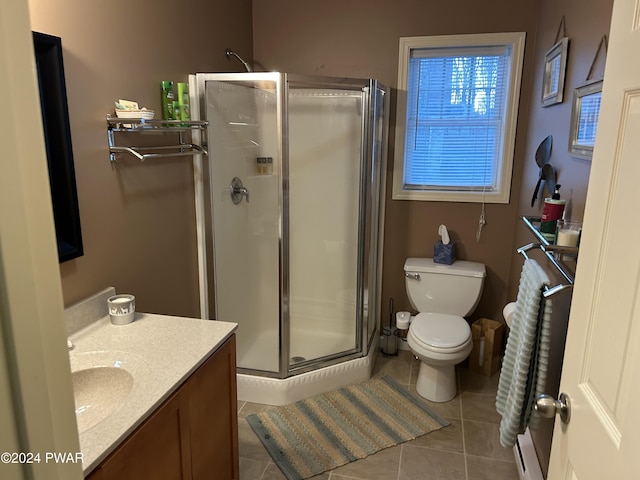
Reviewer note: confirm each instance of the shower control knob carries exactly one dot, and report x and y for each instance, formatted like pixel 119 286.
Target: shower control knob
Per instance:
pixel 238 191
pixel 548 407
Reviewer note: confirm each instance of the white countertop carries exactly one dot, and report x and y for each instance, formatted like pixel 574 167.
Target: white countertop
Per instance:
pixel 160 351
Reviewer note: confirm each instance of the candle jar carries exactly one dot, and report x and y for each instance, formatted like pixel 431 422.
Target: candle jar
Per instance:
pixel 568 233
pixel 121 308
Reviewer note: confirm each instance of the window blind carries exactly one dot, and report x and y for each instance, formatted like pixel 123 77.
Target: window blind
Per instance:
pixel 455 120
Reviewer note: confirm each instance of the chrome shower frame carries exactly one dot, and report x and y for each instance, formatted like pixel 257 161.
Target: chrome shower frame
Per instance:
pixel 372 206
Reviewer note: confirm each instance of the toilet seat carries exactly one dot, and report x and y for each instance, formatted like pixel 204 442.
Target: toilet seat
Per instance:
pixel 439 332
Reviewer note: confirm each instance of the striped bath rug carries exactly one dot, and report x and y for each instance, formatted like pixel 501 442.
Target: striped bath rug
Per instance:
pixel 320 433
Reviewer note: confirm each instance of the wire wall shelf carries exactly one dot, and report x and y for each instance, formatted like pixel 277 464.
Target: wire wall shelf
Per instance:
pixel 142 126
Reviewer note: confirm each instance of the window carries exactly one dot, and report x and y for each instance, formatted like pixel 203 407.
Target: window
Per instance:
pixel 456 119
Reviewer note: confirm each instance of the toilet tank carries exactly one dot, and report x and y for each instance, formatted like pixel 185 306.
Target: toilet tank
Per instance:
pixel 435 287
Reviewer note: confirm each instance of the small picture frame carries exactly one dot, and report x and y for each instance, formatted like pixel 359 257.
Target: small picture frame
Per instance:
pixel 584 119
pixel 555 64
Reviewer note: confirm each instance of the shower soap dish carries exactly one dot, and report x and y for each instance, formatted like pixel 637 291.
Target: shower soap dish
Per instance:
pixel 146 114
pixel 129 109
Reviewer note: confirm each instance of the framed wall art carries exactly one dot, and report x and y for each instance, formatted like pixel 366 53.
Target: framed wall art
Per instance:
pixel 555 64
pixel 584 119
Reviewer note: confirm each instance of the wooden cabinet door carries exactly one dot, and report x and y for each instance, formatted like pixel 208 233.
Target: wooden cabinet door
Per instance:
pixel 155 450
pixel 213 415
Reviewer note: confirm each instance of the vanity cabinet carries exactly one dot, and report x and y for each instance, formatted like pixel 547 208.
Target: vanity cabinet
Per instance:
pixel 192 435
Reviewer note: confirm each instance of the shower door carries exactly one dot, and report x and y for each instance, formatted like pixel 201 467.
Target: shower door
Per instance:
pixel 296 255
pixel 324 169
pixel 243 126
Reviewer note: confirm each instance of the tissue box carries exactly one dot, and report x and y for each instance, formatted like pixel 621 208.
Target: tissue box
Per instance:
pixel 444 253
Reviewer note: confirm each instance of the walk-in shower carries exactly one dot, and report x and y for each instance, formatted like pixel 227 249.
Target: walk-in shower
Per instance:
pixel 294 189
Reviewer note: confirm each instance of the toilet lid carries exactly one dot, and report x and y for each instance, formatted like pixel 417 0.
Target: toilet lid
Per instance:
pixel 441 330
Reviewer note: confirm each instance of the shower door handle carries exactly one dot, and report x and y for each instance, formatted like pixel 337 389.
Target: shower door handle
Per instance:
pixel 238 191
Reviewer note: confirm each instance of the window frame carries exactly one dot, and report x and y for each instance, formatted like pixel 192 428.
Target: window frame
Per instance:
pixel 514 40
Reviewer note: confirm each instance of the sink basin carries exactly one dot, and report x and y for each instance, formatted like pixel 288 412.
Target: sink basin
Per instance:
pixel 102 382
pixel 98 392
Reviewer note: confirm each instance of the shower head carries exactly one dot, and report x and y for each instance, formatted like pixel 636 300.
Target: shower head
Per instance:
pixel 229 53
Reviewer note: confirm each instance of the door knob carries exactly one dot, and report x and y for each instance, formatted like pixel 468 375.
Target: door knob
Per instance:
pixel 548 407
pixel 238 191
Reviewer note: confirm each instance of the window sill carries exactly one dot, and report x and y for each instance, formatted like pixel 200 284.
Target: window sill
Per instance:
pixel 463 197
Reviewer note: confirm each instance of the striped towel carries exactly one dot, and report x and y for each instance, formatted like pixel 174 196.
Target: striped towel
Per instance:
pixel 524 367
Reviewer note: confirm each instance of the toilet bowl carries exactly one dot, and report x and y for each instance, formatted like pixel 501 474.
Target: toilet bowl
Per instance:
pixel 440 341
pixel 439 335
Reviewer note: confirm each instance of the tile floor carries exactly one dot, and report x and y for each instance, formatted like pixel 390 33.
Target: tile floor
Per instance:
pixel 468 449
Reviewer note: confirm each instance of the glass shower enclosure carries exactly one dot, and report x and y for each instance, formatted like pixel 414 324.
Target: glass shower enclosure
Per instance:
pixel 294 188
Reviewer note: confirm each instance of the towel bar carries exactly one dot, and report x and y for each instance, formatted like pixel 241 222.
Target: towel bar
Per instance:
pixel 548 251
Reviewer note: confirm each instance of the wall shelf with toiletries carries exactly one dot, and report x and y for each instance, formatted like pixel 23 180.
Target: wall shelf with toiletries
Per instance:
pixel 533 224
pixel 142 126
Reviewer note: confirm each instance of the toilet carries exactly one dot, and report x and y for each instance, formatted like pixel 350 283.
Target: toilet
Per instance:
pixel 439 335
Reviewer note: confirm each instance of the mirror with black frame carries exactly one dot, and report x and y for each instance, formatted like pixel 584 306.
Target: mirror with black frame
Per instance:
pixel 57 136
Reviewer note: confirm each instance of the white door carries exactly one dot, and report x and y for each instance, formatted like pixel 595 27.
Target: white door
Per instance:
pixel 601 372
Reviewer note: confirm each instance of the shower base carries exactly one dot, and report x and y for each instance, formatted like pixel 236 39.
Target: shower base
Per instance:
pixel 276 391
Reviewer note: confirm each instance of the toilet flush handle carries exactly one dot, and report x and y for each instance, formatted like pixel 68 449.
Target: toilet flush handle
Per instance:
pixel 415 276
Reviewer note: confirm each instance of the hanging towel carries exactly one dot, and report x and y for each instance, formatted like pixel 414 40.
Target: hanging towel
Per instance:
pixel 524 367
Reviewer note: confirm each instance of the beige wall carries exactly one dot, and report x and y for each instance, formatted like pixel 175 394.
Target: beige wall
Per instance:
pixel 361 39
pixel 586 22
pixel 137 219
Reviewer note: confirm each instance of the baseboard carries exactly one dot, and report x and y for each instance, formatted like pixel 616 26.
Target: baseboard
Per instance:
pixel 526 458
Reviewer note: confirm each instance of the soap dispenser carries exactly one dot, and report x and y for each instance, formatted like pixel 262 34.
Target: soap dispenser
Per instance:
pixel 551 213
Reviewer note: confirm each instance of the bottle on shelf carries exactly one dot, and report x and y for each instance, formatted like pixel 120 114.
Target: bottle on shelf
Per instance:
pixel 176 110
pixel 183 101
pixel 167 100
pixel 551 213
pixel 264 165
